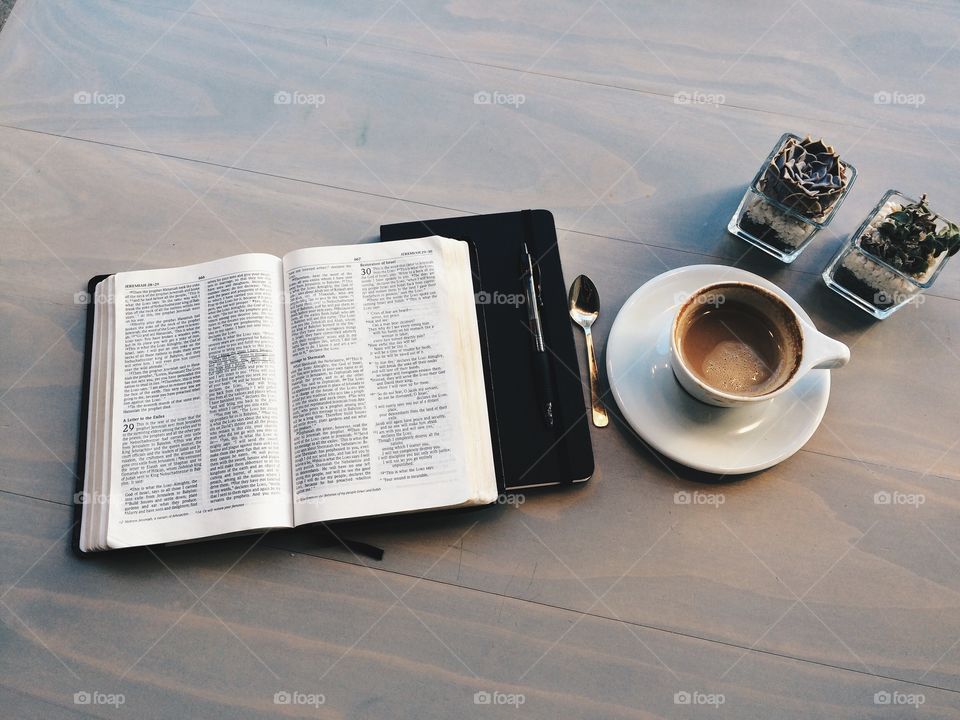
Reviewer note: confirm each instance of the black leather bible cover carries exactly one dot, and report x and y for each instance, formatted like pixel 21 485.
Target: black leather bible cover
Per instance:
pixel 527 453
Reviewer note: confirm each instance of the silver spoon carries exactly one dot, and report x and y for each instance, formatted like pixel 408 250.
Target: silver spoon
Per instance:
pixel 584 309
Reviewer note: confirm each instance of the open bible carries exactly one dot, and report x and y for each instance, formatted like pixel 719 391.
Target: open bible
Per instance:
pixel 255 392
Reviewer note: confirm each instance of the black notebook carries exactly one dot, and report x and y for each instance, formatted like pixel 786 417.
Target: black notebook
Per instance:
pixel 527 453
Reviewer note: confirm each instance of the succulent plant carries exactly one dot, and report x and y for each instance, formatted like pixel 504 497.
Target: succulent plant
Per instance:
pixel 806 175
pixel 909 238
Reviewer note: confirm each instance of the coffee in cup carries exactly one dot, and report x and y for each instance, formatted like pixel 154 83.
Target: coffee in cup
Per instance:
pixel 737 342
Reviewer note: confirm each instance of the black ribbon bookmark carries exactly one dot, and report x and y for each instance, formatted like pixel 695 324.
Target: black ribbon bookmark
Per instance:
pixel 356 546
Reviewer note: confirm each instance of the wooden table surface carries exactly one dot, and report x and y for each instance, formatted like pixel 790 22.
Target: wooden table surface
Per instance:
pixel 798 597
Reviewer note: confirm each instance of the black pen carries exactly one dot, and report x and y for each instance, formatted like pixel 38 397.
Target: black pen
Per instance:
pixel 542 362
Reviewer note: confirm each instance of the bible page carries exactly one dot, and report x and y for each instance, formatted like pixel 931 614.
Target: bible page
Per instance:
pixel 380 421
pixel 200 434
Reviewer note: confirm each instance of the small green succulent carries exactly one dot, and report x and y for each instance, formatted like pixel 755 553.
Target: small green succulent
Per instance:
pixel 909 238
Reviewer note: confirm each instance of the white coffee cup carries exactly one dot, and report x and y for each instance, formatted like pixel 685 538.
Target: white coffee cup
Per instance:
pixel 801 346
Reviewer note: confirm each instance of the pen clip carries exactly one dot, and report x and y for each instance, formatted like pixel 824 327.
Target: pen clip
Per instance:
pixel 537 285
pixel 526 262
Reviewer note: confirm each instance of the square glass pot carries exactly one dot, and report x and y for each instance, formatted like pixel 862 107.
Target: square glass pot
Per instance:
pixel 868 281
pixel 773 227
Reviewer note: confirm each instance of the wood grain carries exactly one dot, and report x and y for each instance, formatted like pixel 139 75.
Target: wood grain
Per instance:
pixel 886 614
pixel 799 596
pixel 373 643
pixel 608 161
pixel 803 60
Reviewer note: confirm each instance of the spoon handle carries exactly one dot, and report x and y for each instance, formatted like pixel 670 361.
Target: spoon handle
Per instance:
pixel 599 412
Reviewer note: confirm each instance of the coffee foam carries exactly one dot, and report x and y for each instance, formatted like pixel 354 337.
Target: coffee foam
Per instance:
pixel 729 363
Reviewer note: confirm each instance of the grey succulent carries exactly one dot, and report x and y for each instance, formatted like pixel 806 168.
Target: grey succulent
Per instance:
pixel 806 176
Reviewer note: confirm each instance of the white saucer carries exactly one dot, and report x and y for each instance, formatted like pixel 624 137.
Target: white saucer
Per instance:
pixel 717 440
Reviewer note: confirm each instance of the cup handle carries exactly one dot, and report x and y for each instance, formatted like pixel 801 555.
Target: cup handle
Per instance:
pixel 826 353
